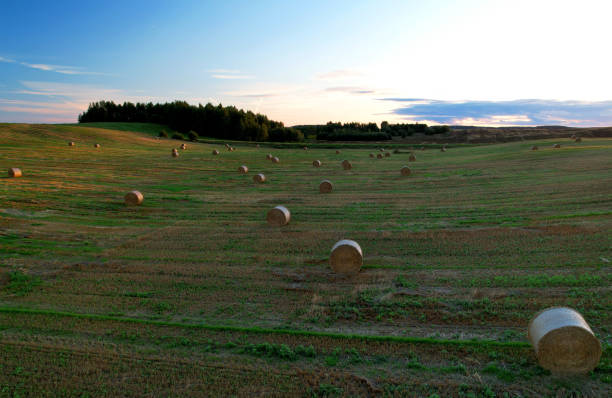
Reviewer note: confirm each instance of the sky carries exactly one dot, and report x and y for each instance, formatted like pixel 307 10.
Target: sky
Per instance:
pixel 462 62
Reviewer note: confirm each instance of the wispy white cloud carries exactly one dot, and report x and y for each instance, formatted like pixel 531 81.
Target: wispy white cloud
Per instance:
pixel 350 90
pixel 63 69
pixel 339 74
pixel 8 60
pixel 230 77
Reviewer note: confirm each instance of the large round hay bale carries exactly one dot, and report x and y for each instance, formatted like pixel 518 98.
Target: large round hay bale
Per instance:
pixel 96 145
pixel 215 152
pixel 14 172
pixel 243 169
pixel 382 149
pixel 557 146
pixel 563 341
pixel 259 178
pixel 346 257
pixel 275 160
pixel 325 186
pixel 405 171
pixel 443 149
pixel 71 143
pixel 183 146
pixel 412 158
pixel 133 198
pixel 316 163
pixel 578 139
pixel 346 165
pixel 387 154
pixel 269 156
pixel 305 148
pixel 371 155
pixel 175 153
pixel 534 148
pixel 337 152
pixel 278 216
pixel 379 156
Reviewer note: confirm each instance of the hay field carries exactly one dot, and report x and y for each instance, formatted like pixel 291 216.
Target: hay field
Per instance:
pixel 194 294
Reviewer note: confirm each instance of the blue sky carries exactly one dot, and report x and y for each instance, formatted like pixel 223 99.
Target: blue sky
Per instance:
pixel 461 62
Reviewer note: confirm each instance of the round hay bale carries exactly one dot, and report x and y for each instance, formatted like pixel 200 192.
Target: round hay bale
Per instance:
pixel 71 143
pixel 387 154
pixel 534 148
pixel 305 148
pixel 346 257
pixel 573 137
pixel 259 178
pixel 175 153
pixel 215 152
pixel 412 158
pixel 422 148
pixel 183 146
pixel 243 169
pixel 96 145
pixel 443 149
pixel 578 139
pixel 557 146
pixel 337 152
pixel 382 149
pixel 257 146
pixel 405 171
pixel 396 150
pixel 14 172
pixel 275 160
pixel 133 198
pixel 371 155
pixel 325 186
pixel 563 341
pixel 278 216
pixel 227 146
pixel 269 156
pixel 346 165
pixel 379 156
pixel 316 163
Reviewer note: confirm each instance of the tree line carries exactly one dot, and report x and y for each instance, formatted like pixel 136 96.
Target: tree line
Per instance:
pixel 208 121
pixel 353 131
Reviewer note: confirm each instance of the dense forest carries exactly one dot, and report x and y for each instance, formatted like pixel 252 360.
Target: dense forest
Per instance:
pixel 336 131
pixel 207 121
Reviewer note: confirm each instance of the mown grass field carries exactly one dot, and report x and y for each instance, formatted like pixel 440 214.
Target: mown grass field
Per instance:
pixel 193 294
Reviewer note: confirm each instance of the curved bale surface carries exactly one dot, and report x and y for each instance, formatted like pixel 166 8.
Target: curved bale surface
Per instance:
pixel 346 257
pixel 71 143
pixel 269 156
pixel 243 169
pixel 96 145
pixel 275 160
pixel 215 152
pixel 346 165
pixel 133 198
pixel 316 163
pixel 412 158
pixel 183 146
pixel 175 153
pixel 326 186
pixel 14 172
pixel 259 178
pixel 443 149
pixel 278 216
pixel 563 341
pixel 405 171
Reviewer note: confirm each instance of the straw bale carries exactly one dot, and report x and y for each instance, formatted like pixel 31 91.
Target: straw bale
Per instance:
pixel 412 158
pixel 563 341
pixel 387 154
pixel 337 152
pixel 215 152
pixel 346 257
pixel 405 171
pixel 175 153
pixel 578 139
pixel 325 186
pixel 534 148
pixel 275 160
pixel 71 143
pixel 305 148
pixel 379 156
pixel 133 198
pixel 316 163
pixel 557 146
pixel 371 155
pixel 443 149
pixel 278 216
pixel 96 145
pixel 243 169
pixel 269 156
pixel 14 172
pixel 260 178
pixel 346 165
pixel 183 146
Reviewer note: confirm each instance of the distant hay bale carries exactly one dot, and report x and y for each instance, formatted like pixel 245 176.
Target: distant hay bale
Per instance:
pixel 316 163
pixel 278 216
pixel 71 143
pixel 412 158
pixel 269 156
pixel 379 156
pixel 337 152
pixel 275 160
pixel 346 257
pixel 387 154
pixel 371 155
pixel 405 171
pixel 227 146
pixel 243 169
pixel 257 146
pixel 396 150
pixel 557 146
pixel 382 149
pixel 534 148
pixel 183 146
pixel 175 153
pixel 573 137
pixel 231 149
pixel 346 165
pixel 422 148
pixel 443 149
pixel 563 341
pixel 133 198
pixel 305 148
pixel 96 145
pixel 14 172
pixel 325 186
pixel 259 178
pixel 215 152
pixel 578 139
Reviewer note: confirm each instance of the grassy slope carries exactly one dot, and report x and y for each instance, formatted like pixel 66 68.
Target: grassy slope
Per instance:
pixel 468 247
